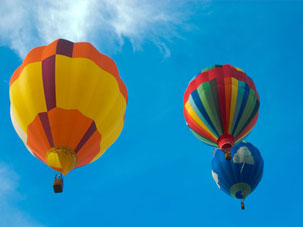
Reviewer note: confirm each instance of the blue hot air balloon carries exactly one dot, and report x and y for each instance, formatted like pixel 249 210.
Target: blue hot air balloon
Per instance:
pixel 239 176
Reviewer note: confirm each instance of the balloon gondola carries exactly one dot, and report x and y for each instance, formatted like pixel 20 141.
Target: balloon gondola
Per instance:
pixel 58 183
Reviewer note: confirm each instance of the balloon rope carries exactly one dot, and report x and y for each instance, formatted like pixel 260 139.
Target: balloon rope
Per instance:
pixel 242 204
pixel 242 167
pixel 215 148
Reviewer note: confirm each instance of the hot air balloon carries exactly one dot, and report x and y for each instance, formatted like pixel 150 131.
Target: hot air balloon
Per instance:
pixel 221 106
pixel 67 104
pixel 239 176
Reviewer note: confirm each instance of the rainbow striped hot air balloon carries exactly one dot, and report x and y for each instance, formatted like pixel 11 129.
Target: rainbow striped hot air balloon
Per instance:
pixel 67 103
pixel 221 106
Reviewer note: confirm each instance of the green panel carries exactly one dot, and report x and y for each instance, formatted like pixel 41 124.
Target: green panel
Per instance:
pixel 206 97
pixel 209 68
pixel 244 187
pixel 249 107
pixel 240 95
pixel 202 138
pixel 215 93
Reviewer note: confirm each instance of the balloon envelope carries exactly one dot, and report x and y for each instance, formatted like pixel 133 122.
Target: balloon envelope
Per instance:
pixel 67 103
pixel 239 176
pixel 221 105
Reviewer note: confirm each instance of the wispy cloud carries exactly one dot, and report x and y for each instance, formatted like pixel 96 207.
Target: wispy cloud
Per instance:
pixel 8 181
pixel 106 23
pixel 10 215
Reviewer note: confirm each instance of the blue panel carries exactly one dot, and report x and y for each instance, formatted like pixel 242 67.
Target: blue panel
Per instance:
pixel 245 166
pixel 198 103
pixel 243 104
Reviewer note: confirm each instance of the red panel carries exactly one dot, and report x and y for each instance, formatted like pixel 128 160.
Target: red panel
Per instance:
pixel 207 76
pixel 228 89
pixel 221 93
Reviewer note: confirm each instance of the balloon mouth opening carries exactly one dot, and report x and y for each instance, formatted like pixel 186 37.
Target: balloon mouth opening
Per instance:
pixel 62 159
pixel 226 146
pixel 226 142
pixel 239 194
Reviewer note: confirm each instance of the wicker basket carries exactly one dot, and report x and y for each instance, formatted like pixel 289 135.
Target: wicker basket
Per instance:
pixel 58 185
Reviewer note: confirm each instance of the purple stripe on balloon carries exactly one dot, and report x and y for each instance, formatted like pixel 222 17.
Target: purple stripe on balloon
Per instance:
pixel 46 126
pixel 65 47
pixel 48 75
pixel 90 131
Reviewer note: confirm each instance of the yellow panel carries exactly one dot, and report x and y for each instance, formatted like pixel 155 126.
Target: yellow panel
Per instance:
pixel 112 124
pixel 53 161
pixel 27 95
pixel 234 93
pixel 242 137
pixel 109 139
pixel 97 95
pixel 195 117
pixel 239 69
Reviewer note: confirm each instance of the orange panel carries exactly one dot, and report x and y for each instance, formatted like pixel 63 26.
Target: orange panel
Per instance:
pixel 49 50
pixel 39 156
pixel 33 56
pixel 90 150
pixel 86 50
pixel 80 50
pixel 36 139
pixel 67 127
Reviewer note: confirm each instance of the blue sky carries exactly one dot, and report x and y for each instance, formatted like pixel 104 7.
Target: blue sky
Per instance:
pixel 157 173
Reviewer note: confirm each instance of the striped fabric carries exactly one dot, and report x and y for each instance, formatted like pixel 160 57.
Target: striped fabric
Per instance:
pixel 68 95
pixel 221 100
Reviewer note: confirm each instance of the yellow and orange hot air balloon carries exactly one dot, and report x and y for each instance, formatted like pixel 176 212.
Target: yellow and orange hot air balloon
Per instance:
pixel 67 103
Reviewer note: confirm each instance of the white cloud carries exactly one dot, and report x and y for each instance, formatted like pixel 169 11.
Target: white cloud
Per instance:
pixel 215 176
pixel 10 215
pixel 243 154
pixel 105 23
